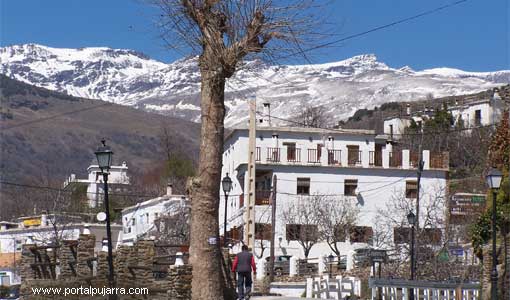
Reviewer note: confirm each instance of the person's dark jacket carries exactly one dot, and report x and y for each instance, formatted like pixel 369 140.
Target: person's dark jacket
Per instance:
pixel 244 262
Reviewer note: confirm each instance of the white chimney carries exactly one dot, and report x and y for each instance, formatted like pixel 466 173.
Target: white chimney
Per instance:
pixel 408 109
pixel 169 189
pixel 266 118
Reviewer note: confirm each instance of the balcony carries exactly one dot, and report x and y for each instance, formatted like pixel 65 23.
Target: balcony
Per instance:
pixel 398 159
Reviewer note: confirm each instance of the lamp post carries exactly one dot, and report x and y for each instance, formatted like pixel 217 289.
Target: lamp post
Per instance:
pixel 411 218
pixel 226 184
pixel 494 181
pixel 104 159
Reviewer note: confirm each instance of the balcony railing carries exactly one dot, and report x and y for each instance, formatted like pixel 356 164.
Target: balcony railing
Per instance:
pixel 334 157
pixel 402 159
pixel 375 158
pixel 273 155
pixel 262 197
pixel 395 159
pixel 294 155
pixel 353 157
pixel 313 156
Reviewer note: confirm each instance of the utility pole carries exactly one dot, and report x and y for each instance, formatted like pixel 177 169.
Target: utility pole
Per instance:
pixel 249 214
pixel 273 230
pixel 416 228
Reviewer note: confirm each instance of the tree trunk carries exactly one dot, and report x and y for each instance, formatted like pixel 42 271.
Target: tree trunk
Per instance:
pixel 205 254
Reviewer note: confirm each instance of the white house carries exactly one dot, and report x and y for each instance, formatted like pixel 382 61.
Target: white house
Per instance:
pixel 140 219
pixel 470 111
pixel 117 180
pixel 356 165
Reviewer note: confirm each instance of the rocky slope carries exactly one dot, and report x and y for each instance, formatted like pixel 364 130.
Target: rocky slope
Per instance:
pixel 130 78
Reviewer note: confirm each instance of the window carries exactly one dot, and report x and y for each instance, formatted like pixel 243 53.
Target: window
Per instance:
pixel 431 236
pixel 411 189
pixel 361 234
pixel 301 232
pixel 291 151
pixel 340 233
pixel 156 215
pixel 133 221
pixel 350 186
pixel 303 186
pixel 391 129
pixel 353 155
pixel 478 117
pixel 262 231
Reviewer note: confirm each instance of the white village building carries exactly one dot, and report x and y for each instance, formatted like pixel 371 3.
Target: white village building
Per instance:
pixel 42 230
pixel 356 165
pixel 138 221
pixel 118 180
pixel 471 111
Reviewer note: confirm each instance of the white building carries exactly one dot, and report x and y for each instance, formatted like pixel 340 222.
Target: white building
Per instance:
pixel 356 165
pixel 471 112
pixel 140 219
pixel 117 181
pixel 40 230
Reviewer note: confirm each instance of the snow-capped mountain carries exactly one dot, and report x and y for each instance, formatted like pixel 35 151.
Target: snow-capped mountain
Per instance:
pixel 131 78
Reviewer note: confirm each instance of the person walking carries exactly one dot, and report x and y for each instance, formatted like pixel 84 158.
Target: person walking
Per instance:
pixel 243 264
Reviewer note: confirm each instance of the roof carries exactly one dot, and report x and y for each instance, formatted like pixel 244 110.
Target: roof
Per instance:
pixel 154 201
pixel 69 226
pixel 305 130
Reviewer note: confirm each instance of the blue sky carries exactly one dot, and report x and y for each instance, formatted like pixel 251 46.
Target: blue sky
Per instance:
pixel 473 36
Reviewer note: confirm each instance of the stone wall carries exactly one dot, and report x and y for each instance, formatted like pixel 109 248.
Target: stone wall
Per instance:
pixel 134 267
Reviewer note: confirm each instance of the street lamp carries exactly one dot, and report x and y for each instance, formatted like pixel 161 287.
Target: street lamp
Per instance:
pixel 411 218
pixel 104 160
pixel 226 184
pixel 494 181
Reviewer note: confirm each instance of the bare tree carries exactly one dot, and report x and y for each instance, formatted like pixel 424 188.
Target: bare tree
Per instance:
pixel 312 116
pixel 336 217
pixel 303 220
pixel 223 33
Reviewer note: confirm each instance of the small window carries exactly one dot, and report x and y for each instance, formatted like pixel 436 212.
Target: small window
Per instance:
pixel 350 186
pixel 133 221
pixel 411 189
pixel 391 129
pixel 361 234
pixel 303 186
pixel 156 215
pixel 478 117
pixel 147 218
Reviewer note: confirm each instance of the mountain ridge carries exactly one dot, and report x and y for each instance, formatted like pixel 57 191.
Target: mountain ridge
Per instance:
pixel 131 78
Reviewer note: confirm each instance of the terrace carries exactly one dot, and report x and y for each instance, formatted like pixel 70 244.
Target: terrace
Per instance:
pixel 351 157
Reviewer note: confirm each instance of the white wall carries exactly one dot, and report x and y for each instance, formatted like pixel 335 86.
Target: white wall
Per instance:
pixel 376 185
pixel 399 125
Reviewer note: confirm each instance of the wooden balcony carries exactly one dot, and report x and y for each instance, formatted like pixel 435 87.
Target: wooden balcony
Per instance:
pixel 353 157
pixel 257 154
pixel 395 159
pixel 293 155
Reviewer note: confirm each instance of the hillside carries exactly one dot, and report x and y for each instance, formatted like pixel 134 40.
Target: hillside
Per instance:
pixel 130 78
pixel 46 134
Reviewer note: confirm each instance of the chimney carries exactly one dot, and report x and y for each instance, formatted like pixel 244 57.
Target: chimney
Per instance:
pixel 169 189
pixel 408 109
pixel 266 118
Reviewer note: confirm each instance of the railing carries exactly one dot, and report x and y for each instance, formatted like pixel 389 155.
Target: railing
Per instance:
pixel 294 155
pixel 313 156
pixel 400 289
pixel 353 157
pixel 273 154
pixel 262 197
pixel 375 158
pixel 334 157
pixel 257 154
pixel 396 159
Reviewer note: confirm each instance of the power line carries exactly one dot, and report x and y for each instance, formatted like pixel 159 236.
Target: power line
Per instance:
pixel 54 116
pixel 425 13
